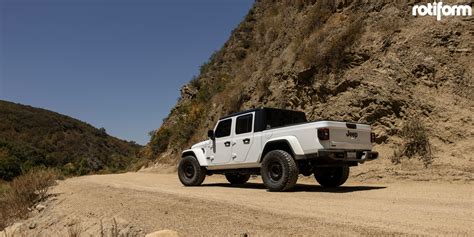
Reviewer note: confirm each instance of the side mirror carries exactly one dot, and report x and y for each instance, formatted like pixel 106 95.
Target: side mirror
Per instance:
pixel 210 134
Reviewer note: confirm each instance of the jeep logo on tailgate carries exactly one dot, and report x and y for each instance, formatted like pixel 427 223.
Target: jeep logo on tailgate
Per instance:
pixel 352 135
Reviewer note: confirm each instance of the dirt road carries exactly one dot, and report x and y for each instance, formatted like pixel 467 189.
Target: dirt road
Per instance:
pixel 146 202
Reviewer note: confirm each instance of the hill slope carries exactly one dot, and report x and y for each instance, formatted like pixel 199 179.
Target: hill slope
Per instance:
pixel 32 137
pixel 368 62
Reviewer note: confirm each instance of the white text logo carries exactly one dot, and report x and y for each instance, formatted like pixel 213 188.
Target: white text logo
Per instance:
pixel 438 9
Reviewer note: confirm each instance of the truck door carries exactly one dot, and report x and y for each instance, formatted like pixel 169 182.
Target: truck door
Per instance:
pixel 222 147
pixel 243 138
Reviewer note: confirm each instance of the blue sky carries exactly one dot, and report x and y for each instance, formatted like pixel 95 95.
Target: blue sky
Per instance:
pixel 117 64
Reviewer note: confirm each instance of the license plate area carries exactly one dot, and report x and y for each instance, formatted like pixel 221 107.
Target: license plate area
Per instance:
pixel 351 155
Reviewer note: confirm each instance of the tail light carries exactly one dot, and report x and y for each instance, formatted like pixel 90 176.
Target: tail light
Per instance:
pixel 323 133
pixel 372 137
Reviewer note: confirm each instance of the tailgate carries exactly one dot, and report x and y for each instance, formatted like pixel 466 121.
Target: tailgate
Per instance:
pixel 348 136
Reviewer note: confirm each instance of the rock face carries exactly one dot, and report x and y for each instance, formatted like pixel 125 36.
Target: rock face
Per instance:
pixel 368 62
pixel 40 207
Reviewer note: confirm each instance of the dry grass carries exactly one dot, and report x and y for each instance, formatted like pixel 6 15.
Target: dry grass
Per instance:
pixel 317 16
pixel 464 84
pixel 327 49
pixel 233 103
pixel 416 143
pixel 23 192
pixel 139 163
pixel 264 86
pixel 76 229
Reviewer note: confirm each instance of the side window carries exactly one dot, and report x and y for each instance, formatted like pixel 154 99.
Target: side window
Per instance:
pixel 223 128
pixel 244 124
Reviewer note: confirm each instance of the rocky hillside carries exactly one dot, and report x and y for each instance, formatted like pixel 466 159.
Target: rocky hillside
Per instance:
pixel 36 137
pixel 361 61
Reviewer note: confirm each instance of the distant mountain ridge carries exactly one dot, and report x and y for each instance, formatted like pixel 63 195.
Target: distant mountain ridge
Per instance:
pixel 32 137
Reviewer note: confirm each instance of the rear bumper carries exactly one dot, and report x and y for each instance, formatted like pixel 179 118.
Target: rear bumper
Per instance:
pixel 344 155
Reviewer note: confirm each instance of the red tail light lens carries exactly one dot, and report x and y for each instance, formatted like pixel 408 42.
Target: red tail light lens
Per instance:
pixel 372 137
pixel 323 133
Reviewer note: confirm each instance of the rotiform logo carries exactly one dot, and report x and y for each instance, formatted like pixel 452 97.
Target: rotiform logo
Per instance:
pixel 438 9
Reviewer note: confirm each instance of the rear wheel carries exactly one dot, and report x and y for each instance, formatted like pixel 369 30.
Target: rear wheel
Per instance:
pixel 279 171
pixel 236 178
pixel 331 177
pixel 190 172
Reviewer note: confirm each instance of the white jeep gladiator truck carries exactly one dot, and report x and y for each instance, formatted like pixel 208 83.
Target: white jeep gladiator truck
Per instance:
pixel 278 145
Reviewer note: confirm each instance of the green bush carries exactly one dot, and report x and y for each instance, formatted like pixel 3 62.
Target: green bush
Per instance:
pixel 240 53
pixel 204 93
pixel 195 82
pixel 9 167
pixel 160 140
pixel 102 132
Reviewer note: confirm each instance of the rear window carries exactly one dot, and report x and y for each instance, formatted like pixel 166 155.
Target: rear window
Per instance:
pixel 244 124
pixel 279 118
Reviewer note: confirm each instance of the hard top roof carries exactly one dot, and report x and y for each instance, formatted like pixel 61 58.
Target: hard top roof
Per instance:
pixel 256 109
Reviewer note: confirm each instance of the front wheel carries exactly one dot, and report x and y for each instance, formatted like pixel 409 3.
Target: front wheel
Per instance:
pixel 236 178
pixel 331 177
pixel 190 172
pixel 279 171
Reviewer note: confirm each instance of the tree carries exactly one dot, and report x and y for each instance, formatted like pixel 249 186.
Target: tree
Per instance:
pixel 102 132
pixel 10 167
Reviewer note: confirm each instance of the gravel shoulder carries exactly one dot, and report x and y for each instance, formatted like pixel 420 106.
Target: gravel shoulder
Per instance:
pixel 145 202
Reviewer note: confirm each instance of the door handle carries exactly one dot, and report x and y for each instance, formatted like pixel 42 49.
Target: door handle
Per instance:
pixel 227 143
pixel 246 140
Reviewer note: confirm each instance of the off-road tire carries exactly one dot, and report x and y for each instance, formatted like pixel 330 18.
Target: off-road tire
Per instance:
pixel 331 177
pixel 236 178
pixel 279 171
pixel 190 172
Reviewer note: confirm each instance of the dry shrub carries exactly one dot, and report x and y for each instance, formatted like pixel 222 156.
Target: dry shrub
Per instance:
pixel 75 229
pixel 389 24
pixel 464 84
pixel 138 164
pixel 233 103
pixel 264 86
pixel 416 143
pixel 177 133
pixel 114 230
pixel 317 16
pixel 271 32
pixel 336 52
pixel 23 192
pixel 187 124
pixel 327 50
pixel 240 53
pixel 195 83
pixel 159 140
